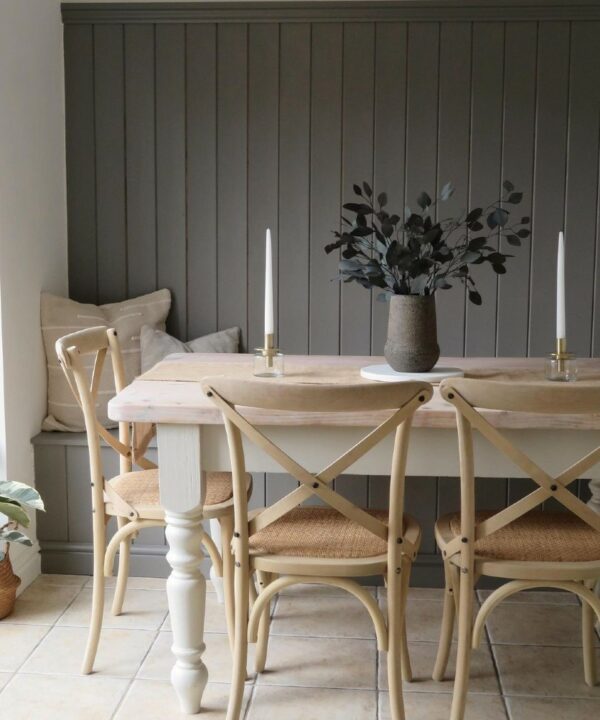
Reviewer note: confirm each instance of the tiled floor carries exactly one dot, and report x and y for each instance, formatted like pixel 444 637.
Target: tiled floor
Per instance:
pixel 322 659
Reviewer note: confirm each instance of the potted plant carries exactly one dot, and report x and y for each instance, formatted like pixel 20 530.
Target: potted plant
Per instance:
pixel 410 257
pixel 14 497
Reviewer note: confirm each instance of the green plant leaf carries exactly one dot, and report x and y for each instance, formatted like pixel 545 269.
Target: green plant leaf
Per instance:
pixel 508 186
pixel 524 233
pixel 21 493
pixel 513 240
pixel 499 268
pixel 14 512
pixel 357 190
pixel 424 201
pixel 525 220
pixel 475 226
pixel 496 257
pixel 382 199
pixel 515 198
pixel 359 208
pixel 367 189
pixel 470 256
pixel 474 215
pixel 477 243
pixel 497 218
pixel 14 536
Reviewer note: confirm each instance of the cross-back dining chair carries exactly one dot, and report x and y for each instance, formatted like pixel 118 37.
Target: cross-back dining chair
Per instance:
pixel 527 547
pixel 133 495
pixel 288 543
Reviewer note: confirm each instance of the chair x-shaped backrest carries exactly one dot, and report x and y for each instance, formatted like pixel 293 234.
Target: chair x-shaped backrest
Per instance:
pixel 319 484
pixel 549 487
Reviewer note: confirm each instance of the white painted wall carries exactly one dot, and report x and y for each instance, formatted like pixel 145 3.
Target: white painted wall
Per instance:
pixel 33 226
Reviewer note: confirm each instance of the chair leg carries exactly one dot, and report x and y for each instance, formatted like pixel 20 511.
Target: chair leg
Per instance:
pixel 396 602
pixel 448 618
pixel 99 530
pixel 463 656
pixel 240 645
pixel 407 675
pixel 226 523
pixel 588 617
pixel 264 625
pixel 123 571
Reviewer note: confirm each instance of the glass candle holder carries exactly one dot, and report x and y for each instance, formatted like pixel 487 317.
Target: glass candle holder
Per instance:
pixel 561 367
pixel 268 365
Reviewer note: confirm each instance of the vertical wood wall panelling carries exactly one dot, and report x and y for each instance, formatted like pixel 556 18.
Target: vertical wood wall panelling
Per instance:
pixel 109 107
pixel 294 186
pixel 81 161
pixel 594 28
pixel 453 164
pixel 487 100
pixel 390 131
pixel 357 165
pixel 140 159
pixel 263 104
pixel 549 180
pixel 51 482
pixel 170 171
pixel 232 156
pixel 517 166
pixel 582 184
pixel 201 187
pixel 325 181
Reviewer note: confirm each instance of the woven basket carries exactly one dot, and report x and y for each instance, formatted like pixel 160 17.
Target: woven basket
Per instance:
pixel 9 583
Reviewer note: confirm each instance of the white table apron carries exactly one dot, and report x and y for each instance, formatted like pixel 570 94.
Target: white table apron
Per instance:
pixel 186 451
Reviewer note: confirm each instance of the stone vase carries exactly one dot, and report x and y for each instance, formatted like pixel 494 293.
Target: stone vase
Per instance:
pixel 411 344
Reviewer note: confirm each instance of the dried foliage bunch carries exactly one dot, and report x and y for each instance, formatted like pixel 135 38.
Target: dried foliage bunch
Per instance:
pixel 415 254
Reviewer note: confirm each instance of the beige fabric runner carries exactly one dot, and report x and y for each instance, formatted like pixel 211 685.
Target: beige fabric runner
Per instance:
pixel 338 373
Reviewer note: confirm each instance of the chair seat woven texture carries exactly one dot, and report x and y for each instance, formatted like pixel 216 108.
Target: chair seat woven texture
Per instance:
pixel 141 488
pixel 318 532
pixel 538 536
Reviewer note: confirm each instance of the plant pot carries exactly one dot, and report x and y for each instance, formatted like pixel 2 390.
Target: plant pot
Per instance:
pixel 411 344
pixel 9 583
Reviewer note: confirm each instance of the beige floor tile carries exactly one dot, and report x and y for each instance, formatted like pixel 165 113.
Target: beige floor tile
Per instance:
pixel 538 597
pixel 142 610
pixel 51 697
pixel 160 660
pixel 320 662
pixel 322 616
pixel 214 620
pixel 422 657
pixel 120 652
pixel 42 604
pixel 521 708
pixel 20 641
pixel 436 594
pixel 294 703
pixel 542 671
pixel 314 589
pixel 133 583
pixel 422 706
pixel 58 580
pixel 156 700
pixel 528 624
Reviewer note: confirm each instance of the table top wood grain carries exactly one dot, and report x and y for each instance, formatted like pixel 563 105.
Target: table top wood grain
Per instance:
pixel 171 392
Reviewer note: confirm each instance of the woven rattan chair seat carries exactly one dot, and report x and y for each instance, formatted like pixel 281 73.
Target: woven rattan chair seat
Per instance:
pixel 318 532
pixel 537 536
pixel 141 488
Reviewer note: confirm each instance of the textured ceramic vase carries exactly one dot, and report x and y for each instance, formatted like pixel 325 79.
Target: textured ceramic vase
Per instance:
pixel 411 344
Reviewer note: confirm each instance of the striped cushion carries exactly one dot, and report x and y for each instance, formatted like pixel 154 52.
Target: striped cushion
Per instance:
pixel 61 316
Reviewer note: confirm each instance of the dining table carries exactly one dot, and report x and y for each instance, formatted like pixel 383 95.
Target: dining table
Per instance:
pixel 191 441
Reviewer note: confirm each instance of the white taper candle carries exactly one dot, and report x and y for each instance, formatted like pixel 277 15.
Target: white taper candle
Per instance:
pixel 269 286
pixel 561 330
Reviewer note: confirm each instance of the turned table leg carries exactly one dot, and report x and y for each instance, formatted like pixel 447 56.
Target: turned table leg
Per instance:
pixel 182 494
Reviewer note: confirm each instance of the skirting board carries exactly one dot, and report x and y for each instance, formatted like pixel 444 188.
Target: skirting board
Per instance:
pixel 28 566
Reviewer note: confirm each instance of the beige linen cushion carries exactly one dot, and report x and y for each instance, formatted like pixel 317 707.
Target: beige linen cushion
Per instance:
pixel 61 316
pixel 156 345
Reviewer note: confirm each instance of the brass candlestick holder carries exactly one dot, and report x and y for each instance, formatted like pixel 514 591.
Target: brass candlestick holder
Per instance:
pixel 561 365
pixel 268 361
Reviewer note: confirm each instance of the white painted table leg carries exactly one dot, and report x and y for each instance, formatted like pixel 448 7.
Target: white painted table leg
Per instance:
pixel 182 494
pixel 215 533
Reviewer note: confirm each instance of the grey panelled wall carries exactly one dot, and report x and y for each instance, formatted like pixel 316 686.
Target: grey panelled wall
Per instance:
pixel 192 127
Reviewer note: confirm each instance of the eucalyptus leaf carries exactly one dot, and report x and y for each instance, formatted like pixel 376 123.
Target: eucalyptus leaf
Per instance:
pixel 424 201
pixel 513 240
pixel 475 297
pixel 497 218
pixel 367 189
pixel 382 199
pixel 499 268
pixel 508 186
pixel 515 198
pixel 357 190
pixel 447 191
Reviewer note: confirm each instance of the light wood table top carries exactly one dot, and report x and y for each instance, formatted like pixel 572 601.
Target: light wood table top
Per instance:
pixel 169 393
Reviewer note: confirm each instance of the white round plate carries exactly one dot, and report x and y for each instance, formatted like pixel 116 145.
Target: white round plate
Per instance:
pixel 384 373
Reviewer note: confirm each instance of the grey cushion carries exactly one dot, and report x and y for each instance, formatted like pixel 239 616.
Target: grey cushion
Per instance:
pixel 156 345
